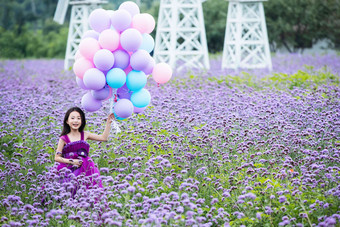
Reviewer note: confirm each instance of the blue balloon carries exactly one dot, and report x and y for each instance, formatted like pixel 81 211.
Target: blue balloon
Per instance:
pixel 148 43
pixel 116 78
pixel 136 80
pixel 141 98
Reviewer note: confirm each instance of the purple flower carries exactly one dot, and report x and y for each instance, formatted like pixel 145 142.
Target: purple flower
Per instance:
pixel 330 221
pixel 268 210
pixel 282 199
pixel 180 209
pixel 258 215
pixel 214 200
pixel 190 222
pixel 131 189
pixel 250 195
pixel 239 214
pixel 284 223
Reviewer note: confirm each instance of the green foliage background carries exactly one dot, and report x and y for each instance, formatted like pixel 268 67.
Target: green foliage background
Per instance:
pixel 28 31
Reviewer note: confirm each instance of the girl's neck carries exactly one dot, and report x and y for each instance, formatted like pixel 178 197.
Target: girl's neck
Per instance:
pixel 74 132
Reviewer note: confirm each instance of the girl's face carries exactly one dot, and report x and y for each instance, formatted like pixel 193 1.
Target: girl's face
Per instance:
pixel 74 120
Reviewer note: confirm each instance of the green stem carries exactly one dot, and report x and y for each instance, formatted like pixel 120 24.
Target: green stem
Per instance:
pixel 303 207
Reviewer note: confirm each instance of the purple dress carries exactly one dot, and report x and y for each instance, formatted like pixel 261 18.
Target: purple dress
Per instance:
pixel 80 150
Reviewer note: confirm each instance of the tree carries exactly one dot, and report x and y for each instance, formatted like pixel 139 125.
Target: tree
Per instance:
pixel 215 15
pixel 298 24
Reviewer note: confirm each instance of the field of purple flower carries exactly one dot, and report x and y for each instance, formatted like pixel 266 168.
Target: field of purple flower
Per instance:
pixel 214 148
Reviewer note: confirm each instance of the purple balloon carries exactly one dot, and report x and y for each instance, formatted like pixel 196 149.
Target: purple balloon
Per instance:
pixel 89 103
pixel 91 34
pixel 94 79
pixel 123 92
pixel 140 60
pixel 131 39
pixel 99 20
pixel 121 19
pixel 148 69
pixel 123 108
pixel 138 110
pixel 122 59
pixel 103 59
pixel 101 94
pixel 123 89
pixel 81 83
pixel 131 7
pixel 124 95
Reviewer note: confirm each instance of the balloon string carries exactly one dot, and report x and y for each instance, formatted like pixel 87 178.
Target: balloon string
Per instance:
pixel 115 99
pixel 116 127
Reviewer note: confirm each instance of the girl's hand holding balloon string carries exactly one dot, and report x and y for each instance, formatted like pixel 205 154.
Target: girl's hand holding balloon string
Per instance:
pixel 110 118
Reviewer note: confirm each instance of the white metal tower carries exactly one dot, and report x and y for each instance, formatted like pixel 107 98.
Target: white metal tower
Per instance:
pixel 180 35
pixel 246 41
pixel 80 12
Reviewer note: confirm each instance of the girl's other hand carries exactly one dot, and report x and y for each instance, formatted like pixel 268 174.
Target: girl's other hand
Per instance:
pixel 110 118
pixel 77 162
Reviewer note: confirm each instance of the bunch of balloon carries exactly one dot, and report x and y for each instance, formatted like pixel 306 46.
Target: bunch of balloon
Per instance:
pixel 114 61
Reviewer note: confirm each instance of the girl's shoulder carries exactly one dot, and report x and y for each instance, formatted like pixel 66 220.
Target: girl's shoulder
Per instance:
pixel 63 138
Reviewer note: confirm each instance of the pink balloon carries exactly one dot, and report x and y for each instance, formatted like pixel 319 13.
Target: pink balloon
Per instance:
pixel 99 20
pixel 161 73
pixel 89 103
pixel 152 23
pixel 131 39
pixel 109 39
pixel 131 7
pixel 88 47
pixel 103 60
pixel 145 23
pixel 78 55
pixel 121 20
pixel 80 66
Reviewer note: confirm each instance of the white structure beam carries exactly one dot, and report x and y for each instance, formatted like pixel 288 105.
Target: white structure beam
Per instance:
pixel 246 41
pixel 80 12
pixel 180 36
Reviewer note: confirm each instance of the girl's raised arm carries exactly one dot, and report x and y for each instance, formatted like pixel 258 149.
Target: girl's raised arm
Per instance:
pixel 105 135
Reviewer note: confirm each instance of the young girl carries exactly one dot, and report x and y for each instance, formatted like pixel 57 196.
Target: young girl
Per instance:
pixel 73 150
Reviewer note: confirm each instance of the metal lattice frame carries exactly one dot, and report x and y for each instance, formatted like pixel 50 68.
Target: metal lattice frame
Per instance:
pixel 78 25
pixel 246 41
pixel 180 35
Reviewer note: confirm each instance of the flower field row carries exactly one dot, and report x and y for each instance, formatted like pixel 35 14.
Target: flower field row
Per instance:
pixel 214 148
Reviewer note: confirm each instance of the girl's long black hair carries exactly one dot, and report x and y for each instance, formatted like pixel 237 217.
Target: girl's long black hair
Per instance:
pixel 66 127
